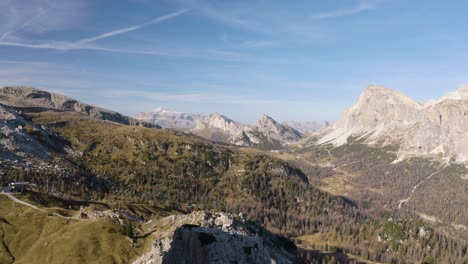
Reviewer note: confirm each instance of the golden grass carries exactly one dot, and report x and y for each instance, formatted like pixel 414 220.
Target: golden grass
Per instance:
pixel 317 239
pixel 337 185
pixel 32 236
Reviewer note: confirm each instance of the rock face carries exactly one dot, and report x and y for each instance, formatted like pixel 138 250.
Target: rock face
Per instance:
pixel 382 116
pixel 266 133
pixel 273 130
pixel 218 128
pixel 29 97
pixel 203 237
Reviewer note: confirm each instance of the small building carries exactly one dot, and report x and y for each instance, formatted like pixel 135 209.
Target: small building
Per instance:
pixel 18 186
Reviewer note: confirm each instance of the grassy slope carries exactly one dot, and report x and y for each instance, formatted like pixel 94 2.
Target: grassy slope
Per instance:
pixel 32 236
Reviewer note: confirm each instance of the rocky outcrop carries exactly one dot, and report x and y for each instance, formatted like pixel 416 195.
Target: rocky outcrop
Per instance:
pixel 28 97
pixel 382 117
pixel 203 237
pixel 21 139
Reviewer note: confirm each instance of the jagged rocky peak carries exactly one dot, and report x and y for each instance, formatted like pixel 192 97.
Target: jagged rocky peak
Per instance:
pixel 274 130
pixel 220 120
pixel 267 122
pixel 203 237
pixel 378 97
pixel 219 128
pixel 437 128
pixel 225 124
pixel 379 111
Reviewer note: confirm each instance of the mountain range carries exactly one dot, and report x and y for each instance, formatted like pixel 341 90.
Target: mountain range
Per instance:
pixel 265 134
pixel 357 191
pixel 167 118
pixel 390 150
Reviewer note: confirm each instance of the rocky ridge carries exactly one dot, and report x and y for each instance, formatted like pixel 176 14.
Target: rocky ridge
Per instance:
pixel 381 116
pixel 28 97
pixel 266 133
pixel 205 237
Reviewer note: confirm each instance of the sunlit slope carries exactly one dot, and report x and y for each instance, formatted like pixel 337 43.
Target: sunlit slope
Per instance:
pixel 31 236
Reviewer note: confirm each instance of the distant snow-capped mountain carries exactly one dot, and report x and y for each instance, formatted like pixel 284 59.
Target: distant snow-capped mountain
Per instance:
pixel 266 133
pixel 172 119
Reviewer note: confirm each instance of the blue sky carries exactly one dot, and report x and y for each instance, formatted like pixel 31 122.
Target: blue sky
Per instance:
pixel 293 60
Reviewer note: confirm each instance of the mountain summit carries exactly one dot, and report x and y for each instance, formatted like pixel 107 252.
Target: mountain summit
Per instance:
pixel 272 129
pixel 267 133
pixel 382 116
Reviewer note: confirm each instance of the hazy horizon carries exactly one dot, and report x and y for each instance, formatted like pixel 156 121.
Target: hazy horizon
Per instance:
pixel 304 61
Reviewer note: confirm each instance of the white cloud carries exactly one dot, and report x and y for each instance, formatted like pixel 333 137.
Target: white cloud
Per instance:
pixel 248 44
pixel 84 43
pixel 257 44
pixel 41 74
pixel 39 16
pixel 134 27
pixel 204 54
pixel 361 7
pixel 191 96
pixel 279 21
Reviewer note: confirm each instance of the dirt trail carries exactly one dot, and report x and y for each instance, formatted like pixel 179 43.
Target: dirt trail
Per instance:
pixel 406 200
pixel 16 200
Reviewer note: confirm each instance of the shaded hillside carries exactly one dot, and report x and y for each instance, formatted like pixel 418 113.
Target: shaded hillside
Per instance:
pixel 159 166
